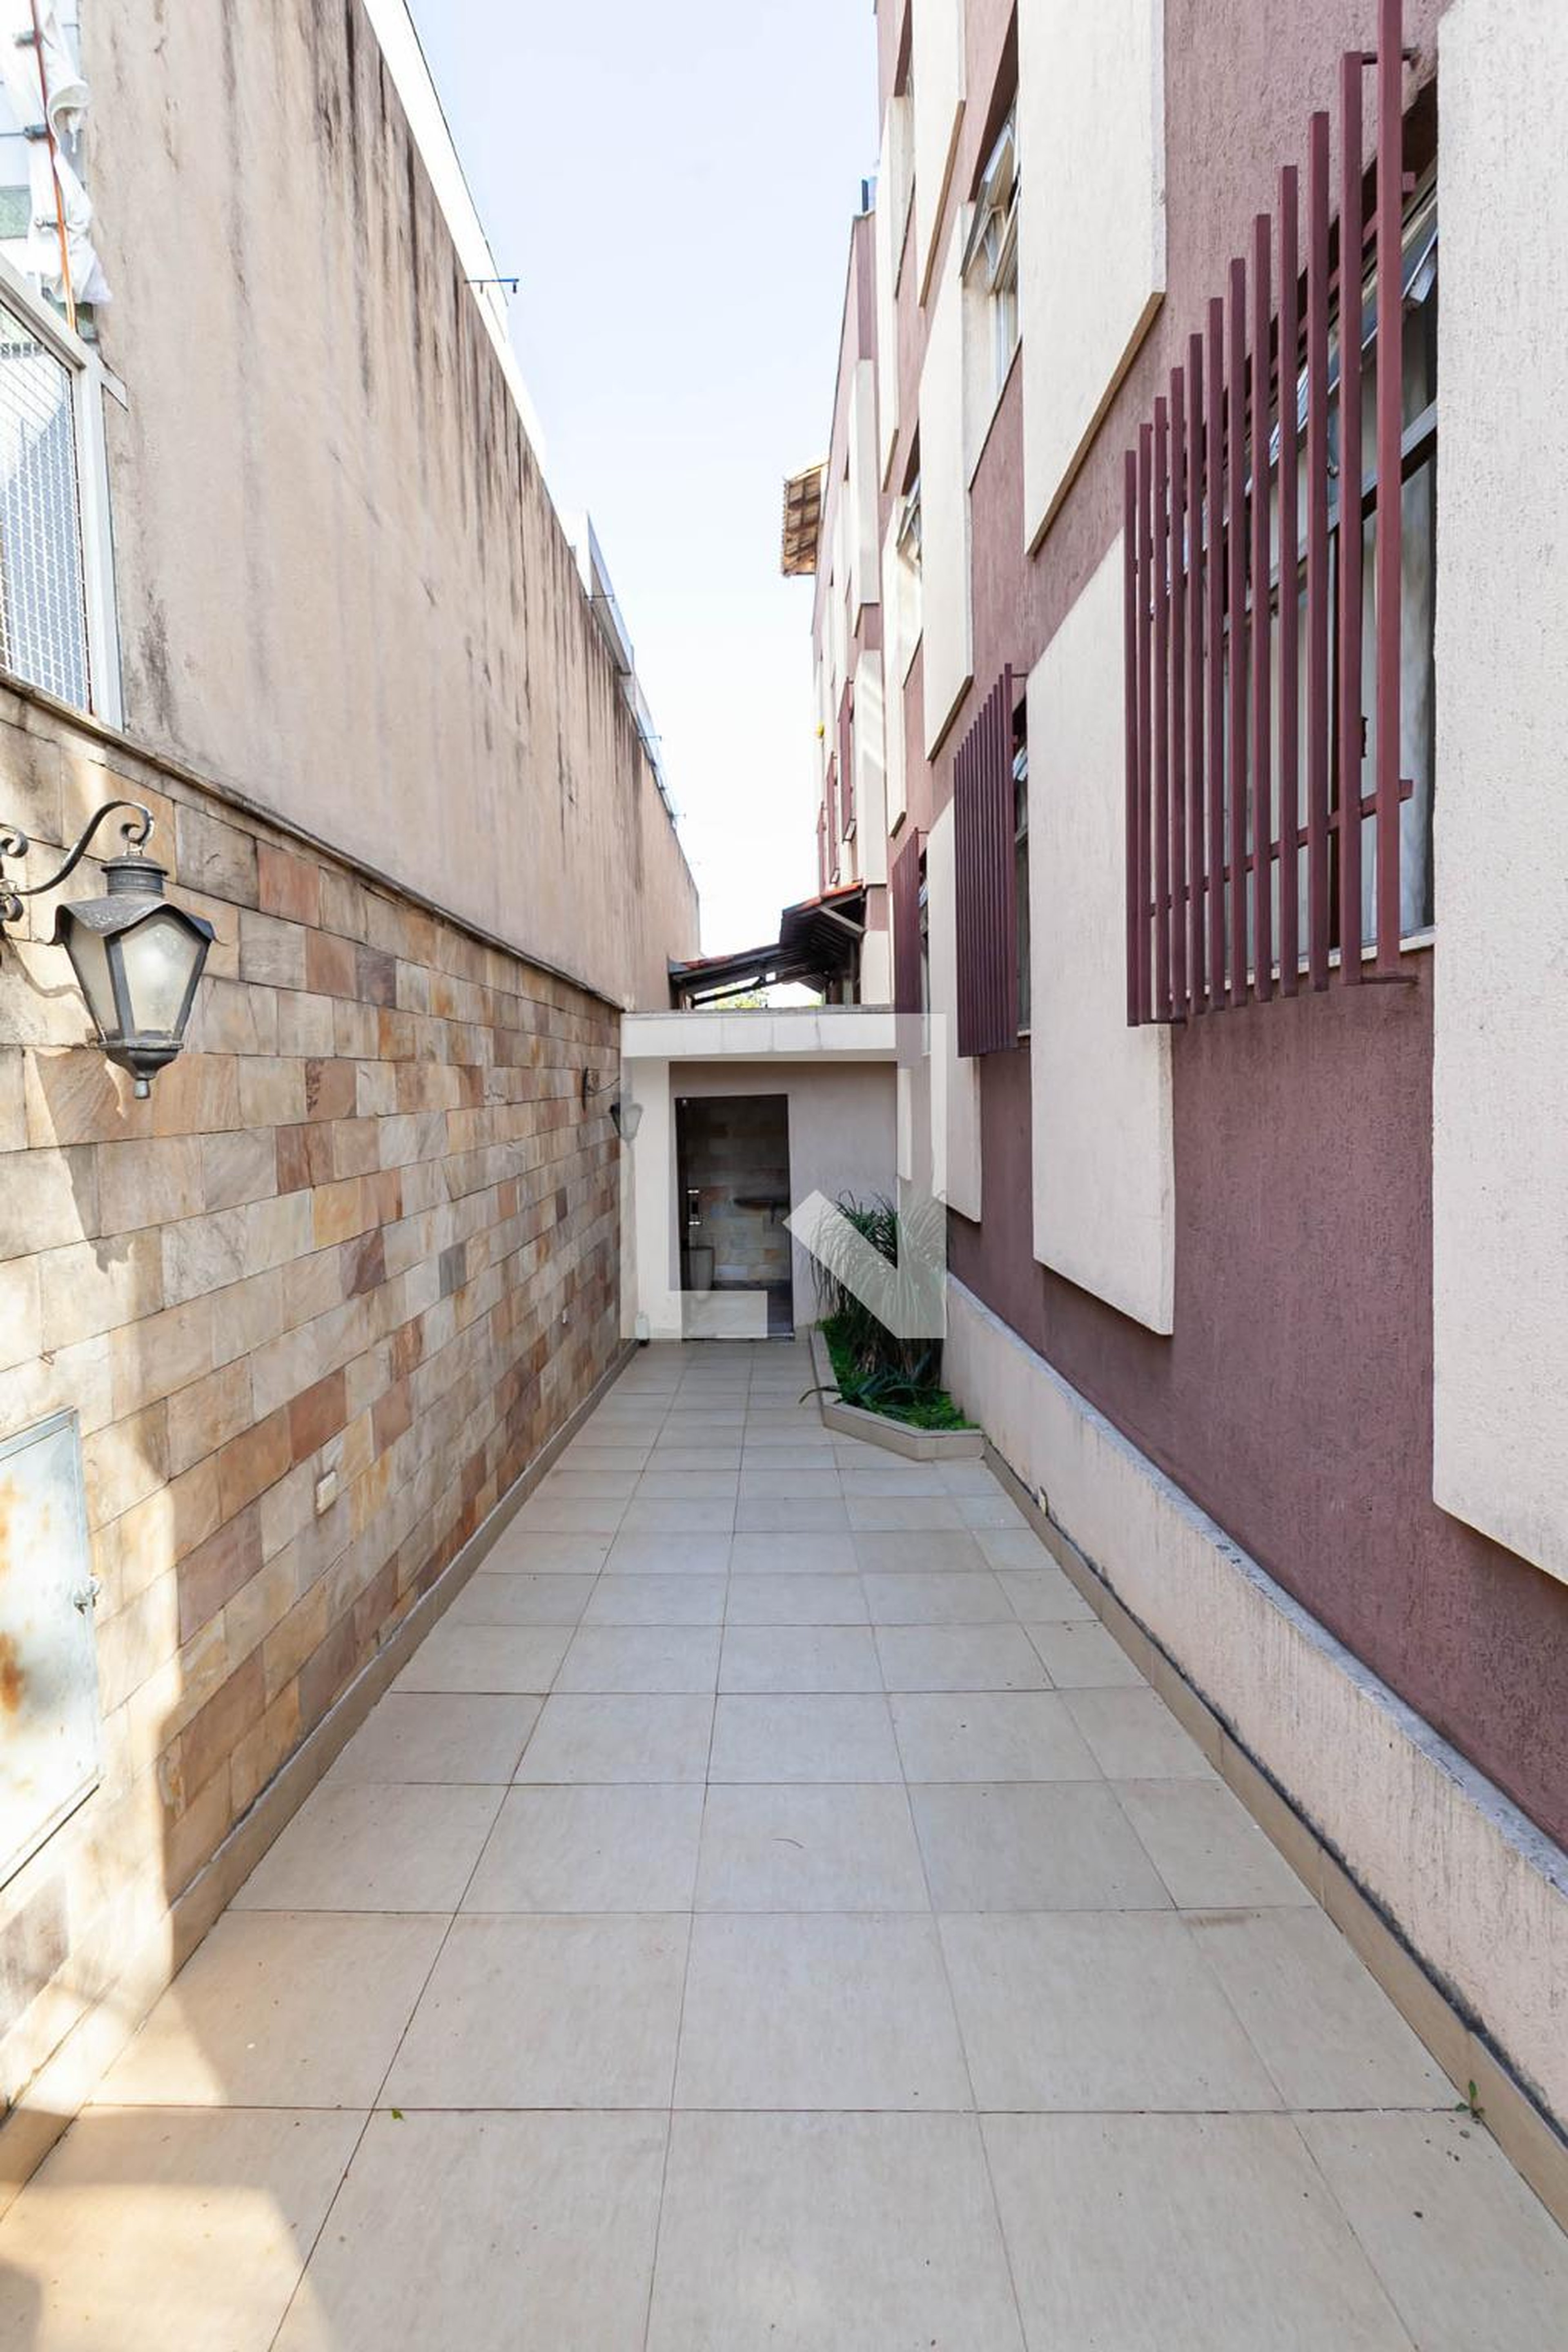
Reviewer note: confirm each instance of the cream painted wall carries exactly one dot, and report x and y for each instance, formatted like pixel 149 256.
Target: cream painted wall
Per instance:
pixel 841 1140
pixel 886 239
pixel 316 399
pixel 1092 226
pixel 954 1084
pixel 1103 1154
pixel 864 551
pixel 896 658
pixel 1499 1083
pixel 870 787
pixel 938 72
pixel 946 612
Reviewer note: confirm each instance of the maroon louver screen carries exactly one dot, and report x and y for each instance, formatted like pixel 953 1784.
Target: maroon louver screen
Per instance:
pixel 1245 806
pixel 985 909
pixel 904 909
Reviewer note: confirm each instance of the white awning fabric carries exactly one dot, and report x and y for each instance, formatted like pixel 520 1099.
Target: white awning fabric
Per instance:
pixel 58 97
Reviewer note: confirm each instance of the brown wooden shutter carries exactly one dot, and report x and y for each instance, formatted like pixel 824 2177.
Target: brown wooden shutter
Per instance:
pixel 904 909
pixel 986 894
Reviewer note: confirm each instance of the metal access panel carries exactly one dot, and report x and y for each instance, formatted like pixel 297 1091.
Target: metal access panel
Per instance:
pixel 48 1656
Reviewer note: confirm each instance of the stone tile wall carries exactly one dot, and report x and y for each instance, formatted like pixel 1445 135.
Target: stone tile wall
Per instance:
pixel 363 1230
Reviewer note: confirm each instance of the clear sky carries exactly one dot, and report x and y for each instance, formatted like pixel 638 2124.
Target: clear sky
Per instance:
pixel 673 181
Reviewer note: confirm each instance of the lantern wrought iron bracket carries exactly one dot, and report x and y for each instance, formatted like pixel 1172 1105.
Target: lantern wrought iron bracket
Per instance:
pixel 14 842
pixel 137 958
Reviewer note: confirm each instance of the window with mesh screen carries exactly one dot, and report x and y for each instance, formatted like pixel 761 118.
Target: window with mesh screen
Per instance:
pixel 43 618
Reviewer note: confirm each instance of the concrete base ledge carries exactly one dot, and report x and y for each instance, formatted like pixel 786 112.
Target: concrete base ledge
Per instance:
pixel 1455 1900
pixel 61 2088
pixel 876 1429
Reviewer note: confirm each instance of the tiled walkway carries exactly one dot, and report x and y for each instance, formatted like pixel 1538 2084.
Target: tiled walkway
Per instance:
pixel 847 1952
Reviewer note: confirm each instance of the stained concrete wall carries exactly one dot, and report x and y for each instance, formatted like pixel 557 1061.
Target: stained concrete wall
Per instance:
pixel 343 591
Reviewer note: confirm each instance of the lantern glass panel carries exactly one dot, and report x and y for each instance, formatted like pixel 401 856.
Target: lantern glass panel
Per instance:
pixel 90 954
pixel 159 957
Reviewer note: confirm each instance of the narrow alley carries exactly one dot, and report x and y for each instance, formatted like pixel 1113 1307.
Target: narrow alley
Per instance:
pixel 771 1910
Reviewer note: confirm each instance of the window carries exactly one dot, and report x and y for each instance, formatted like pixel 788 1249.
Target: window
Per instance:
pixel 910 525
pixel 1021 875
pixel 846 761
pixel 907 545
pixel 990 258
pixel 1279 686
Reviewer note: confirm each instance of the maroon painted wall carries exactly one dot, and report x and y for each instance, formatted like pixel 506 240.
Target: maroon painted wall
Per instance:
pixel 1294 1400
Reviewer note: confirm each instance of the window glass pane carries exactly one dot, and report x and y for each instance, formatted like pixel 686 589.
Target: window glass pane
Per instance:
pixel 43 622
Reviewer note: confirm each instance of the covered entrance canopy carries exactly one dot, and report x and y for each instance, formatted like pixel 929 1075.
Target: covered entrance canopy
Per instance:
pixel 818 946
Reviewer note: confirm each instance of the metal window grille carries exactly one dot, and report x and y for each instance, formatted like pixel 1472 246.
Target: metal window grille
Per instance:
pixel 1213 708
pixel 43 611
pixel 985 826
pixel 904 910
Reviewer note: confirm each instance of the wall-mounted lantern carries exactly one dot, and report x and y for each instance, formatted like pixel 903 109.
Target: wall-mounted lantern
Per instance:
pixel 624 1117
pixel 137 959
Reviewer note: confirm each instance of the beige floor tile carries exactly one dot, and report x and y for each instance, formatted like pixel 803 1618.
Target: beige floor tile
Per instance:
pixel 641 1658
pixel 373 1848
pixel 808 1456
pixel 937 1597
pixel 1013 1547
pixel 919 1549
pixel 1325 2029
pixel 584 1454
pixel 835 1737
pixel 529 1551
pixel 1179 2233
pixel 989 1736
pixel 1135 1737
pixel 1044 1595
pixel 1043 1846
pixel 438 1735
pixel 569 1515
pixel 903 1514
pixel 486 1658
pixel 699 1459
pixel 590 1849
pixel 1466 2253
pixel 487 2233
pixel 796 1599
pixel 280 2009
pixel 652 1517
pixel 799 1658
pixel 990 1511
pixel 489 1600
pixel 787 1482
pixel 829 2233
pixel 959 1658
pixel 821 2010
pixel 547 2012
pixel 782 1551
pixel 1205 1846
pixel 667 1555
pixel 627 1736
pixel 657 1600
pixel 799 1848
pixel 151 2229
pixel 972 1477
pixel 791 1515
pixel 1082 1657
pixel 686 1485
pixel 1093 2011
pixel 895 1478
pixel 590 1480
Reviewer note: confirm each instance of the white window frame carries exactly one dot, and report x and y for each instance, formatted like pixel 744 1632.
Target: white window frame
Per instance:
pixel 991 255
pixel 95 527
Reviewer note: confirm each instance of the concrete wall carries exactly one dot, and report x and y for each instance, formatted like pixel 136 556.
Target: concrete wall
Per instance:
pixel 343 591
pixel 944 508
pixel 954 1083
pixel 1499 1087
pixel 363 1230
pixel 938 110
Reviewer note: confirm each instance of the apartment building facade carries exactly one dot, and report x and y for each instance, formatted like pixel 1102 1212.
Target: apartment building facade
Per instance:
pixel 1255 1121
pixel 278 1341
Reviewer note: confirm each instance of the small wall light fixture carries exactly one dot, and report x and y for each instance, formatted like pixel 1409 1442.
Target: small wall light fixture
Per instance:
pixel 626 1117
pixel 137 959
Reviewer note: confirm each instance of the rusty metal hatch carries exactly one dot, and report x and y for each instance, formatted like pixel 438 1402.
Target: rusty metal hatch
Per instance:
pixel 48 1654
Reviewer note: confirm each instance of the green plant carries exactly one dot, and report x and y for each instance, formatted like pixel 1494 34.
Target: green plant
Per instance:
pixel 873 1368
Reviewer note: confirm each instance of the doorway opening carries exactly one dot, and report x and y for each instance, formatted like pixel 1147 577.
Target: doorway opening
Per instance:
pixel 732 1166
